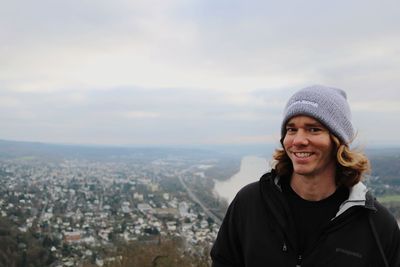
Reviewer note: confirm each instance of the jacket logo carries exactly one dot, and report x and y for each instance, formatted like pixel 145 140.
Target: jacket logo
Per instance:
pixel 349 252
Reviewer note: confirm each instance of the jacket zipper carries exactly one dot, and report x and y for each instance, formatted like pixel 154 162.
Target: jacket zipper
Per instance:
pixel 299 259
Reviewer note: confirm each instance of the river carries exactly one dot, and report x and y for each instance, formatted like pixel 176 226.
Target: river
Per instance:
pixel 251 169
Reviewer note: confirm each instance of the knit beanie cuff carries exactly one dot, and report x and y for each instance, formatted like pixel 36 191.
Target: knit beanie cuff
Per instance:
pixel 327 105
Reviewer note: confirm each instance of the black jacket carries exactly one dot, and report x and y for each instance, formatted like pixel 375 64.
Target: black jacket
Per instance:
pixel 257 231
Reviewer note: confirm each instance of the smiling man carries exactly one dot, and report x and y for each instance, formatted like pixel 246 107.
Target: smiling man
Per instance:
pixel 312 208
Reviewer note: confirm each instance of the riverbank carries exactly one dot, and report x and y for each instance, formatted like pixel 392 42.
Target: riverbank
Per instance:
pixel 251 169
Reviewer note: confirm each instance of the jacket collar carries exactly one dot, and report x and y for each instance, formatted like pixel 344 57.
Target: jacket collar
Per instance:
pixel 359 196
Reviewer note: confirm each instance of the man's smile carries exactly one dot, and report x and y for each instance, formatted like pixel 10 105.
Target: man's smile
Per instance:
pixel 302 154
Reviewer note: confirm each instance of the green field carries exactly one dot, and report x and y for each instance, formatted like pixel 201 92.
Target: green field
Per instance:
pixel 26 158
pixel 389 198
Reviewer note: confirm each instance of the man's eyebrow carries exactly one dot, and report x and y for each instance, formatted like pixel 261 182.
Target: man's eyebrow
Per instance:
pixel 314 124
pixel 311 124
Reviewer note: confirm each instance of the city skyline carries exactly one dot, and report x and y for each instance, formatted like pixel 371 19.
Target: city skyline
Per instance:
pixel 191 72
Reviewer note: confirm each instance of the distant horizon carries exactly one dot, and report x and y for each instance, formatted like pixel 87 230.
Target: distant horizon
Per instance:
pixel 187 146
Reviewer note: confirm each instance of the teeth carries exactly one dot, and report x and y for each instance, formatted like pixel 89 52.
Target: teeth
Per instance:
pixel 303 154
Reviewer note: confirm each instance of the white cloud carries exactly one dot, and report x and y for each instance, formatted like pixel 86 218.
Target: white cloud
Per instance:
pixel 141 115
pixel 9 102
pixel 207 68
pixel 243 139
pixel 377 106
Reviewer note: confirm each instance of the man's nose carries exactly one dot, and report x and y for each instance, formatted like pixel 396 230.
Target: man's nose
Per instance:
pixel 301 138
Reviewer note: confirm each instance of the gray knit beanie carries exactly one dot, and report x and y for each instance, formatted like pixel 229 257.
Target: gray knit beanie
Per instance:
pixel 327 105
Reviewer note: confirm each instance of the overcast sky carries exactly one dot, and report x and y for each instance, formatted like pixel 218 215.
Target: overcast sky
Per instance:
pixel 184 72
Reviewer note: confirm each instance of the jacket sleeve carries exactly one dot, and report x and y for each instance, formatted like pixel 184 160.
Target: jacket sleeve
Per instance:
pixel 393 249
pixel 389 233
pixel 226 251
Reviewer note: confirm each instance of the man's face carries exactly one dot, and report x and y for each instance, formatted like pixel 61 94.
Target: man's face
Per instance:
pixel 309 146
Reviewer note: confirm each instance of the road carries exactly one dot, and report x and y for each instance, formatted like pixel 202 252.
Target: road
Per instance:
pixel 206 210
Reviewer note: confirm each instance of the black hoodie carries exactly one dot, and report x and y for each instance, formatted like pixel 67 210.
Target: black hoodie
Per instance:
pixel 258 231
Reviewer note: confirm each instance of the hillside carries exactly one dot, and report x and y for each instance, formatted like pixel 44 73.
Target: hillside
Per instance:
pixel 385 164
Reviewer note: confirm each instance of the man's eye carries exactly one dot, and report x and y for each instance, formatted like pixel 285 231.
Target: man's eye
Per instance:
pixel 314 130
pixel 290 129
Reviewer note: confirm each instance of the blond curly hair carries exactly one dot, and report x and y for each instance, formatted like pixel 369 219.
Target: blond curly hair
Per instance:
pixel 351 165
